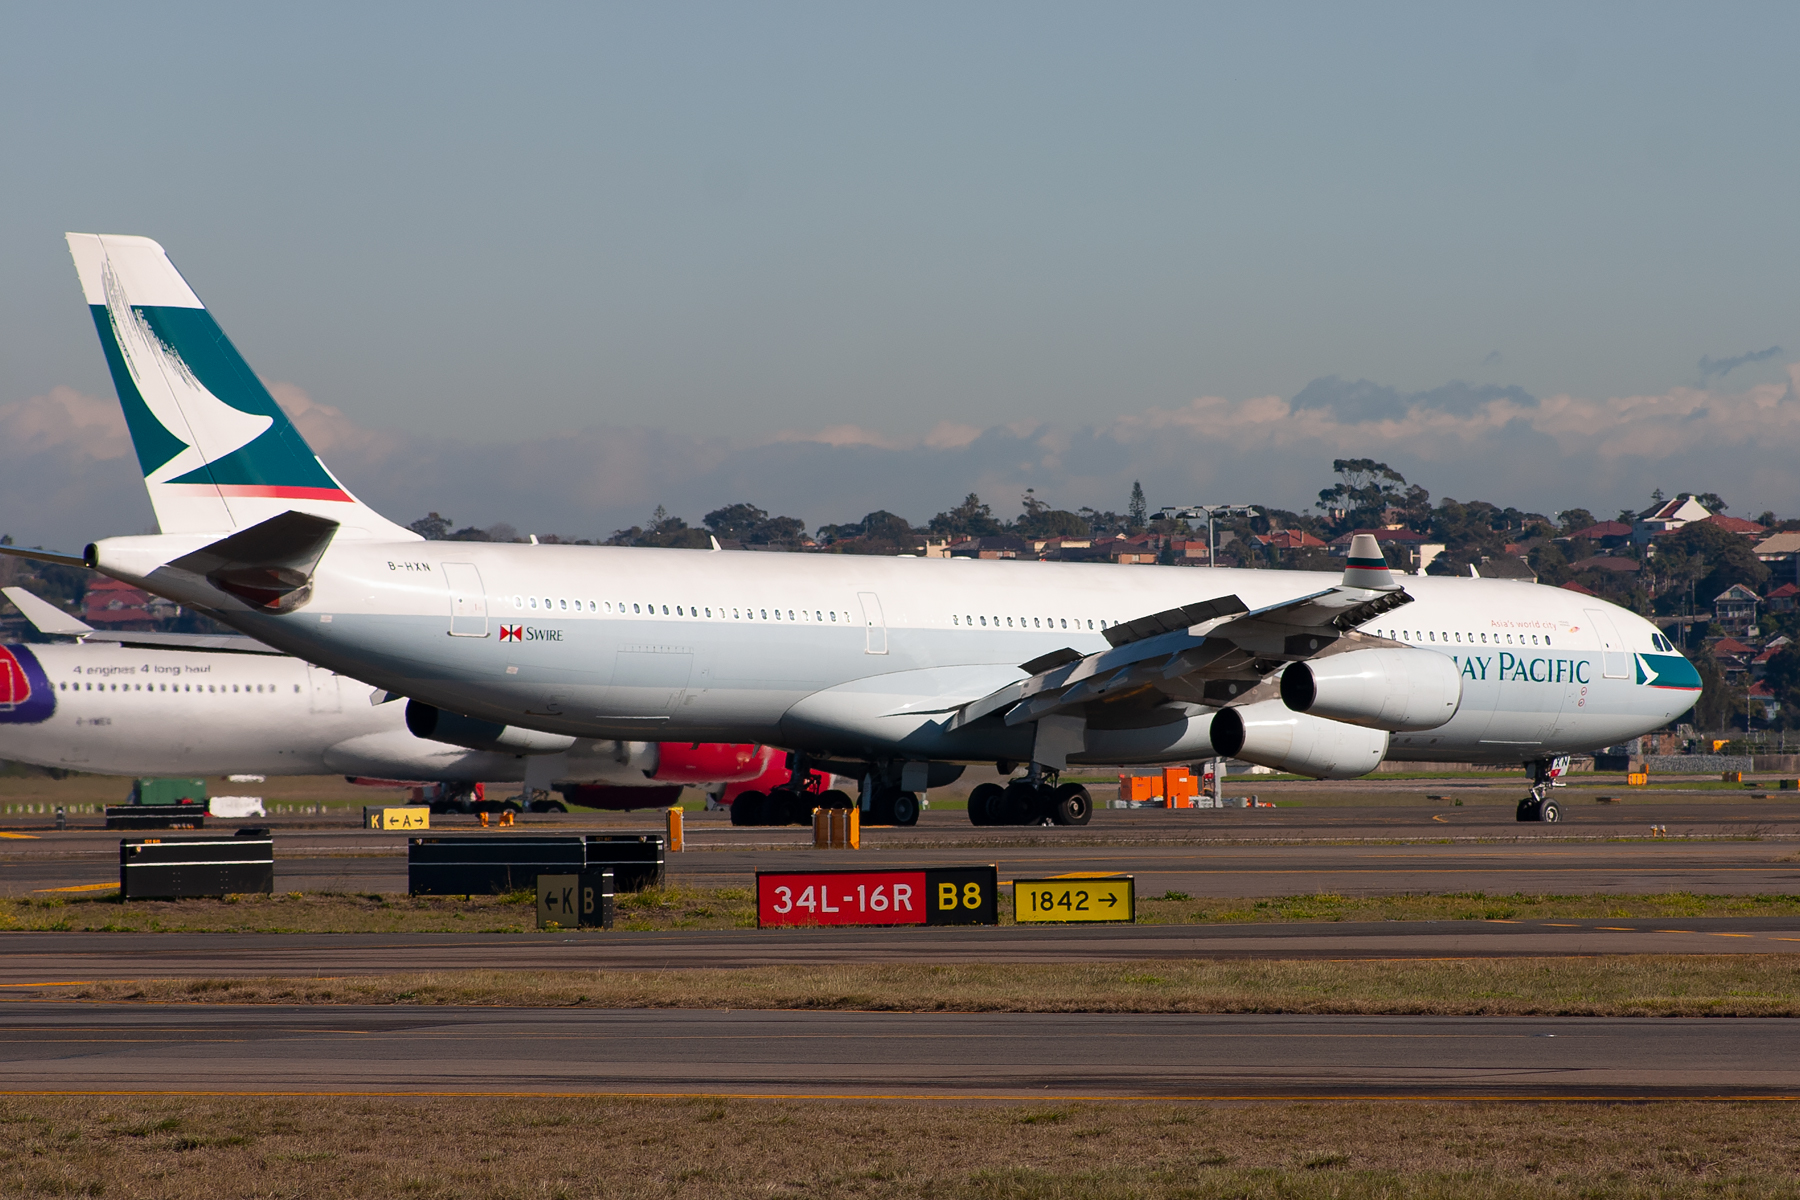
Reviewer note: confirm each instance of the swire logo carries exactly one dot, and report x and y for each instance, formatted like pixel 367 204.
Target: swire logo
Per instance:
pixel 512 633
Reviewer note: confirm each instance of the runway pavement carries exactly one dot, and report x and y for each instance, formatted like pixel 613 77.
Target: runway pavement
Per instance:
pixel 1716 846
pixel 28 959
pixel 224 1049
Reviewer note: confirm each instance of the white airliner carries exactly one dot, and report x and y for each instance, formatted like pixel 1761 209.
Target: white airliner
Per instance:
pixel 176 704
pixel 893 671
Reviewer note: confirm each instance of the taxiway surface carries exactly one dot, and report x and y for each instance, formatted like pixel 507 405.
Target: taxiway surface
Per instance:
pixel 224 1049
pixel 1725 845
pixel 33 959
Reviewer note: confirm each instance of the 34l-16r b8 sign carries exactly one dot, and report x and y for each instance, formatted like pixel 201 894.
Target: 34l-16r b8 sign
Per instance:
pixel 936 896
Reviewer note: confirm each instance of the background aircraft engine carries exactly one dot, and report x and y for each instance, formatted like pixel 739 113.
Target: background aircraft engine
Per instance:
pixel 440 726
pixel 1393 689
pixel 1270 734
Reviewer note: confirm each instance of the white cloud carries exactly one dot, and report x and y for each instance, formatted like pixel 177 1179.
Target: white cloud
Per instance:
pixel 66 474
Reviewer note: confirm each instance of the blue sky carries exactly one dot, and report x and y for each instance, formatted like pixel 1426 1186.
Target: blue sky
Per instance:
pixel 831 258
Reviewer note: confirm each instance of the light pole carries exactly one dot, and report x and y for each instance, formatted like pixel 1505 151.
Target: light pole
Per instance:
pixel 1188 512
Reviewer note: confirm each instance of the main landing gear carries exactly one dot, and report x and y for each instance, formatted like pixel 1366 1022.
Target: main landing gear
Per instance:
pixel 1546 773
pixel 1033 800
pixel 784 806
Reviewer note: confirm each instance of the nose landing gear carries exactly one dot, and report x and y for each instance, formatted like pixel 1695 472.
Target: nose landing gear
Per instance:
pixel 1546 773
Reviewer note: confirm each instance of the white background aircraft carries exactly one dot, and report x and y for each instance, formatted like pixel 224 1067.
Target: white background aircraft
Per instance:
pixel 176 704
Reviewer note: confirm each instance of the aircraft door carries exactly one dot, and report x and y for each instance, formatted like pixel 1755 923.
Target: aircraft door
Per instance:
pixel 468 600
pixel 324 687
pixel 873 623
pixel 1615 663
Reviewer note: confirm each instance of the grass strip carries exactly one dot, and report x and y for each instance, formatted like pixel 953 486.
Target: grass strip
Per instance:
pixel 1614 986
pixel 449 1148
pixel 678 907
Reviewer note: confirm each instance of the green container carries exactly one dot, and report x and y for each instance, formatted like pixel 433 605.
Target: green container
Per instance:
pixel 168 791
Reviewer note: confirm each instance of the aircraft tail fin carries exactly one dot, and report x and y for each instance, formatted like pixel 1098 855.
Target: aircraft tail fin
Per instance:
pixel 217 452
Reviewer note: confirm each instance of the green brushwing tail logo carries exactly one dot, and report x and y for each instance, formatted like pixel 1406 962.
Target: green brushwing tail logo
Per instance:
pixel 197 414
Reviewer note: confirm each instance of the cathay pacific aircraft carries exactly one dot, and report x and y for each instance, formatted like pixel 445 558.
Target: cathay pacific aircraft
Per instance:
pixel 891 670
pixel 181 704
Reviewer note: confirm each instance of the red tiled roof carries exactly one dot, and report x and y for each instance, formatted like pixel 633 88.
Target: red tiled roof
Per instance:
pixel 1572 586
pixel 1732 524
pixel 1604 529
pixel 1382 536
pixel 1784 591
pixel 1728 645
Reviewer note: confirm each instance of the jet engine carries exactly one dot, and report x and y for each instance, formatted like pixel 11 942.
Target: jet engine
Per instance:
pixel 1397 689
pixel 1270 734
pixel 440 726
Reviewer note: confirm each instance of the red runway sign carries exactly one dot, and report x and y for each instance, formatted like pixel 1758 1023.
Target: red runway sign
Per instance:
pixel 937 896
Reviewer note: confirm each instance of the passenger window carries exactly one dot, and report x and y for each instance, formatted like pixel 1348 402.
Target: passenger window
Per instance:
pixel 1065 622
pixel 1009 622
pixel 1090 622
pixel 817 615
pixel 534 602
pixel 778 614
pixel 764 612
pixel 709 612
pixel 634 608
pixel 546 602
pixel 955 620
pixel 984 622
pixel 678 611
pixel 790 614
pixel 834 616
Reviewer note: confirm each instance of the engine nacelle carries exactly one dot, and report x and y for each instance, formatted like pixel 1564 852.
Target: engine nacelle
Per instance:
pixel 1397 689
pixel 437 725
pixel 1270 734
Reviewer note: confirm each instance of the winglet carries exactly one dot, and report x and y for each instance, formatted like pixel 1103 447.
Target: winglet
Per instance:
pixel 44 615
pixel 1367 568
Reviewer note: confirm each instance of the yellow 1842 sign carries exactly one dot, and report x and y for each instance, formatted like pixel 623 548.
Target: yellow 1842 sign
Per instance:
pixel 1074 898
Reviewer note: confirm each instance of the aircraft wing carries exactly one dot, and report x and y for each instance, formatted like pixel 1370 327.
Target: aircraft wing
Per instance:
pixel 1210 653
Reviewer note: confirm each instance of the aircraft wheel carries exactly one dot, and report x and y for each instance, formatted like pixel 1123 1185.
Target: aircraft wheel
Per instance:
pixel 779 807
pixel 836 799
pixel 982 802
pixel 1549 813
pixel 905 807
pixel 881 811
pixel 1016 805
pixel 747 808
pixel 548 806
pixel 1528 809
pixel 1073 805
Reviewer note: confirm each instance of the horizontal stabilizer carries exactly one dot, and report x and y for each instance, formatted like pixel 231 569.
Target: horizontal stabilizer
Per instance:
pixel 45 616
pixel 268 566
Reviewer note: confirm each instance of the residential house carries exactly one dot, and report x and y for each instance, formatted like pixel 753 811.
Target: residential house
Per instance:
pixel 999 546
pixel 1667 517
pixel 1764 697
pixel 1279 540
pixel 1733 658
pixel 1576 587
pixel 113 604
pixel 1783 598
pixel 1608 535
pixel 1749 529
pixel 1735 609
pixel 1405 550
pixel 1614 564
pixel 1782 552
